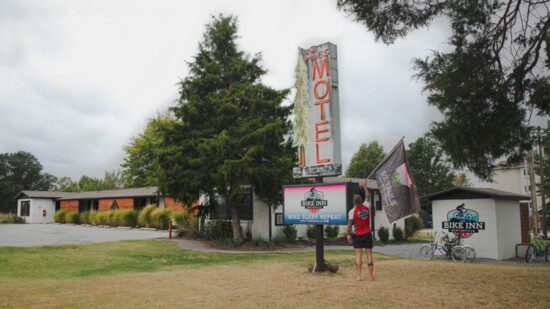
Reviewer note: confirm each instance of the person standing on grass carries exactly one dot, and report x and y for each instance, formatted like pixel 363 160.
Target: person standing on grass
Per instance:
pixel 360 217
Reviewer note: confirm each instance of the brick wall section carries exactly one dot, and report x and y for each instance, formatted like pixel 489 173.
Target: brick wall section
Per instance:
pixel 71 205
pixel 524 219
pixel 170 203
pixel 123 203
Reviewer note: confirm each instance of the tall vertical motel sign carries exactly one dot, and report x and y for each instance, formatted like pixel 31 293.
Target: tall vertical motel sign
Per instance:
pixel 317 113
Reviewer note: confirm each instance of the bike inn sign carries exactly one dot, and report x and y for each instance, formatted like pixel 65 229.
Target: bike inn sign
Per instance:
pixel 316 113
pixel 463 222
pixel 316 204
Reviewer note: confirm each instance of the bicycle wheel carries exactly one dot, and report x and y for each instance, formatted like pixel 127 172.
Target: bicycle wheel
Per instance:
pixel 470 254
pixel 530 254
pixel 459 254
pixel 426 252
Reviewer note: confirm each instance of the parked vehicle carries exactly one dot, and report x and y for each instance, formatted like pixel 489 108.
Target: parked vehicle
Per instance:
pixel 538 248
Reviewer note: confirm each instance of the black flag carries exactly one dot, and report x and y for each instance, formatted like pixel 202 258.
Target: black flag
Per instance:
pixel 397 188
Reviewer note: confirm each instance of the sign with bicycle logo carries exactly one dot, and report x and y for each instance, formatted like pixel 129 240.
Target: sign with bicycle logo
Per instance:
pixel 316 204
pixel 463 222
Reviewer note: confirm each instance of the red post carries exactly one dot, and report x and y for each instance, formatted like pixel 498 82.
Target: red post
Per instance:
pixel 169 228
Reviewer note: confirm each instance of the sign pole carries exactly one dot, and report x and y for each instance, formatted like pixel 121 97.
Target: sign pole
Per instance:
pixel 319 241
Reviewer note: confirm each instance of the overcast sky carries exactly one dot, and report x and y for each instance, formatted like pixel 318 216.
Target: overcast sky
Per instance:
pixel 79 79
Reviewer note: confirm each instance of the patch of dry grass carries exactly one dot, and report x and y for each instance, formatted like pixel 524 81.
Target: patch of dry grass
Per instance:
pixel 285 283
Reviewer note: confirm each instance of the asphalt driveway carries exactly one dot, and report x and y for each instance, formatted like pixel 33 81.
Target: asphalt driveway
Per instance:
pixel 27 235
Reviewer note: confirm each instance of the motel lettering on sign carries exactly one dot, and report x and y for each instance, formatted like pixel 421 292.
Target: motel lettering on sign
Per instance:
pixel 317 123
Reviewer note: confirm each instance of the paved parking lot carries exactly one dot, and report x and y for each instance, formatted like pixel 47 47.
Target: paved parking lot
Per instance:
pixel 26 235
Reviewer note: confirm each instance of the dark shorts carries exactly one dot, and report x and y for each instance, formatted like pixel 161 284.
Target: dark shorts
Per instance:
pixel 362 241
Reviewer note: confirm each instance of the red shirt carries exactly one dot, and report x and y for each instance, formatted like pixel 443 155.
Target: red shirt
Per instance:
pixel 361 218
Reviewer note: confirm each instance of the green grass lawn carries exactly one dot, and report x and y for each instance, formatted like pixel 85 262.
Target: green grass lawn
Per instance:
pixel 159 274
pixel 71 261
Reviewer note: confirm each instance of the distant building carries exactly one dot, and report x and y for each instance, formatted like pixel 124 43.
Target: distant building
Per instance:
pixel 516 179
pixel 40 206
pixel 257 219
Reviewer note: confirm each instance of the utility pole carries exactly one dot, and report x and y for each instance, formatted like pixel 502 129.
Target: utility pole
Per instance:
pixel 532 185
pixel 542 193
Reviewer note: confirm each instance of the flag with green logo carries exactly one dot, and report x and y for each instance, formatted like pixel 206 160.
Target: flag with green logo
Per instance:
pixel 396 185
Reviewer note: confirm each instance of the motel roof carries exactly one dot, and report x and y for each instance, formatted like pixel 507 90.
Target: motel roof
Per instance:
pixel 135 192
pixel 475 193
pixel 41 194
pixel 121 193
pixel 371 184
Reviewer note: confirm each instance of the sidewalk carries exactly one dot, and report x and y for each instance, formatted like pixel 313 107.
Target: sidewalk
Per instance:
pixel 401 250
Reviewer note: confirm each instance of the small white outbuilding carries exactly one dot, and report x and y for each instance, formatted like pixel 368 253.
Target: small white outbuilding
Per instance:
pixel 492 221
pixel 37 206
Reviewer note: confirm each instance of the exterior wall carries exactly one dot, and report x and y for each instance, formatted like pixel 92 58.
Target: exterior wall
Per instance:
pixel 508 228
pixel 123 203
pixel 484 242
pixel 510 180
pixel 170 203
pixel 515 180
pixel 260 223
pixel 36 211
pixel 381 220
pixel 502 225
pixel 71 205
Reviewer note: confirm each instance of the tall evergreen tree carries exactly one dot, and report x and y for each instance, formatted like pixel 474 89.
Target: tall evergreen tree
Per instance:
pixel 365 160
pixel 490 82
pixel 232 130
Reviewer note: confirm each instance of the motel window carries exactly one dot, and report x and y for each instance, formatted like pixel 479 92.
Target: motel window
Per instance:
pixel 222 210
pixel 377 201
pixel 279 219
pixel 25 209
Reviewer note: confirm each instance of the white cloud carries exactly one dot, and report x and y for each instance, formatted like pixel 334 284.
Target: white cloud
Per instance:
pixel 80 78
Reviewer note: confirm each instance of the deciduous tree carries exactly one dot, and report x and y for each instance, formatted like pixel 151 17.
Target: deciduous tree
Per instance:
pixel 428 167
pixel 491 82
pixel 141 162
pixel 21 171
pixel 365 160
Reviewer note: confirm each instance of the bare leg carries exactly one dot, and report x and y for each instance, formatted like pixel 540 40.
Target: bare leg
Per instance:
pixel 370 264
pixel 358 263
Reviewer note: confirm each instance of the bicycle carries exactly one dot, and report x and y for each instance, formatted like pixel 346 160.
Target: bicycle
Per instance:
pixel 470 252
pixel 447 247
pixel 538 247
pixel 466 253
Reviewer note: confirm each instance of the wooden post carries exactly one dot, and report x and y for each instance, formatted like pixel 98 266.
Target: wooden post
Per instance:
pixel 170 228
pixel 533 185
pixel 542 181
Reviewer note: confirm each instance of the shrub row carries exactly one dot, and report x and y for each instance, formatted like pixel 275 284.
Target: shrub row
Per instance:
pixel 412 224
pixel 151 216
pixel 11 218
pixel 331 231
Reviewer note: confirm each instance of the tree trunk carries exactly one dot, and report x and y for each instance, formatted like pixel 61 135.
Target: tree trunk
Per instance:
pixel 236 223
pixel 202 222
